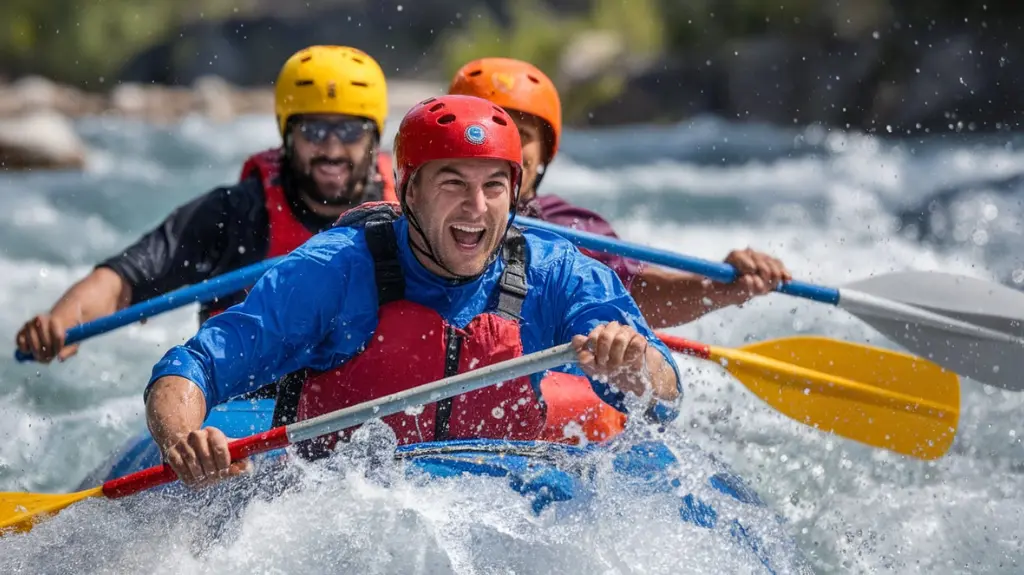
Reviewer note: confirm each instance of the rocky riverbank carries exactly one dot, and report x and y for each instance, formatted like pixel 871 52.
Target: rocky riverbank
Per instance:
pixel 36 114
pixel 885 67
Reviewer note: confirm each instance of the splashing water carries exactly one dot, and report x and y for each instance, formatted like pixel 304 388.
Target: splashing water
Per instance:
pixel 834 207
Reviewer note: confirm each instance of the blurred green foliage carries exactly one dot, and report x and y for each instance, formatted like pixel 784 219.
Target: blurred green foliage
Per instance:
pixel 81 41
pixel 540 36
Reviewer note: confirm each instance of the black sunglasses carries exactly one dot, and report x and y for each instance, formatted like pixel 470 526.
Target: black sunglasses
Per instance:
pixel 347 131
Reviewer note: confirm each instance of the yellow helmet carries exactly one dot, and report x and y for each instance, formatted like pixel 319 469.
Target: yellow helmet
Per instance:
pixel 331 80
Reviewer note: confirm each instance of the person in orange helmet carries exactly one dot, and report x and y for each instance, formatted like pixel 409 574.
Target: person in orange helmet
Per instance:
pixel 666 297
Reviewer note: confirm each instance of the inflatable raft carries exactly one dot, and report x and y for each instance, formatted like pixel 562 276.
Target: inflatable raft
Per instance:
pixel 551 475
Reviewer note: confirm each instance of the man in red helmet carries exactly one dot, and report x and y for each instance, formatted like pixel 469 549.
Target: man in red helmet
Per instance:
pixel 393 301
pixel 667 297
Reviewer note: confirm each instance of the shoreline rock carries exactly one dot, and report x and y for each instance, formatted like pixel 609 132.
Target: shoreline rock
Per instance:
pixel 36 129
pixel 42 139
pixel 209 96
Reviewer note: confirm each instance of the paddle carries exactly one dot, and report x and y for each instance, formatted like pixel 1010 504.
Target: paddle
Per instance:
pixel 209 290
pixel 971 327
pixel 20 511
pixel 875 396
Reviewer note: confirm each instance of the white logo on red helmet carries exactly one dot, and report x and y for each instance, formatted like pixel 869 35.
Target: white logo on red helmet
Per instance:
pixel 475 134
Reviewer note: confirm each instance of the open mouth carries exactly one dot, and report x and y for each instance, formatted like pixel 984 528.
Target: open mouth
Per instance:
pixel 467 236
pixel 332 169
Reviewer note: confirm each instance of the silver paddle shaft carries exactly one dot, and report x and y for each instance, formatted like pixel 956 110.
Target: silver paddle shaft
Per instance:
pixel 429 393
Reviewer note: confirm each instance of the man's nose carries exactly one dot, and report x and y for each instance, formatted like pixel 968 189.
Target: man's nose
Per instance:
pixel 332 146
pixel 476 201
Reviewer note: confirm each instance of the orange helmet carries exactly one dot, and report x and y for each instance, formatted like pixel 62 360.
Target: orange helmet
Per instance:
pixel 513 85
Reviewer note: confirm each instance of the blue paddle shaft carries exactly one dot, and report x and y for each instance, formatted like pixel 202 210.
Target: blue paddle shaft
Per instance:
pixel 219 286
pixel 717 271
pixel 242 278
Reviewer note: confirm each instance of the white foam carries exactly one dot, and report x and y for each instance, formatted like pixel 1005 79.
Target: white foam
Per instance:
pixel 828 216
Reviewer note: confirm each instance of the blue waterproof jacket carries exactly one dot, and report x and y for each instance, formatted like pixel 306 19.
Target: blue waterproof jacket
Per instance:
pixel 318 307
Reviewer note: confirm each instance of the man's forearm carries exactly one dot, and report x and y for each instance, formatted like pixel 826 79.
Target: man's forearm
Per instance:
pixel 174 407
pixel 669 298
pixel 662 378
pixel 99 294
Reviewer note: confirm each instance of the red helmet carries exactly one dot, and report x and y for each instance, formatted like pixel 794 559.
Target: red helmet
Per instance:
pixel 451 127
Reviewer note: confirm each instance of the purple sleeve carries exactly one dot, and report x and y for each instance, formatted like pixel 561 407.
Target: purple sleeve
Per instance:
pixel 555 210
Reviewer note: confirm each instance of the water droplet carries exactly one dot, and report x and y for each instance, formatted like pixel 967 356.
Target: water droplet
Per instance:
pixel 979 237
pixel 498 413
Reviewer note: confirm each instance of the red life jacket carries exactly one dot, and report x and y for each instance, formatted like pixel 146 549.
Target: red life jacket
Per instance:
pixel 285 231
pixel 414 345
pixel 574 410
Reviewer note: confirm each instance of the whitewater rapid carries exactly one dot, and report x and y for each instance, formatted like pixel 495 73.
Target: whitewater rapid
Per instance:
pixel 832 206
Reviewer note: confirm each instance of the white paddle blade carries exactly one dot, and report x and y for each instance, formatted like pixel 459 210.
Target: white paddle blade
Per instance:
pixel 968 326
pixel 971 300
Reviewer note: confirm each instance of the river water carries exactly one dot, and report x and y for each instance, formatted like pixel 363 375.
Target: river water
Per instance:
pixel 835 207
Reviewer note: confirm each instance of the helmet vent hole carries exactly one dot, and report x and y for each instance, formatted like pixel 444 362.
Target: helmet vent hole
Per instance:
pixel 499 120
pixel 306 59
pixel 303 82
pixel 357 60
pixel 436 107
pixel 499 110
pixel 533 78
pixel 475 73
pixel 446 119
pixel 360 84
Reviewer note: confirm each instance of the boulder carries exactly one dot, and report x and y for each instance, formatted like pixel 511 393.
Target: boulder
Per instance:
pixel 43 139
pixel 214 98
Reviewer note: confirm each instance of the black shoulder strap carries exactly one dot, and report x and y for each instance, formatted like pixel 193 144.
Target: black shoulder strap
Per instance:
pixel 376 218
pixel 286 404
pixel 383 246
pixel 512 285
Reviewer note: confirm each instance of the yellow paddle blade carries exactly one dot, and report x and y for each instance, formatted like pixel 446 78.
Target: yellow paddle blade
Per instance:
pixel 19 512
pixel 875 396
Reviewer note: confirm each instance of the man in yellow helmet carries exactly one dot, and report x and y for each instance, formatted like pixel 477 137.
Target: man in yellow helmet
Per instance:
pixel 666 297
pixel 331 104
